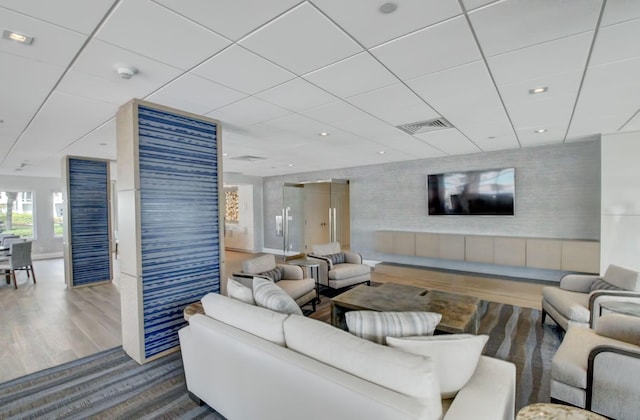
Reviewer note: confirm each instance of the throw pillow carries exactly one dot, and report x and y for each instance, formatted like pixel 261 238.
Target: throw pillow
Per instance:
pixel 270 296
pixel 274 275
pixel 376 326
pixel 600 284
pixel 455 356
pixel 338 258
pixel 239 291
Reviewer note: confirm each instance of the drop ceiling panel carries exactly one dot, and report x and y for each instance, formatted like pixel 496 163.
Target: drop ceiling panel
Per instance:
pixel 195 94
pixel 242 70
pixel 633 124
pixel 318 42
pixel 335 113
pixel 232 19
pixel 100 143
pixel 529 138
pixel 296 95
pixel 450 141
pixel 394 104
pixel 617 43
pixel 78 15
pixel 51 43
pixel 351 76
pixel 301 125
pixel 559 56
pixel 531 22
pixel 247 111
pixel 426 51
pixel 620 11
pixel 369 26
pixel 492 135
pixel 371 128
pixel 153 39
pixel 474 4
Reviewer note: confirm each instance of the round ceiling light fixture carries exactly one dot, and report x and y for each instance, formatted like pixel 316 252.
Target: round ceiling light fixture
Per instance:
pixel 387 8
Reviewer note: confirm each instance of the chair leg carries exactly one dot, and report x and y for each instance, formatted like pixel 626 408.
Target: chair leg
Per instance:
pixel 543 317
pixel 33 273
pixel 15 281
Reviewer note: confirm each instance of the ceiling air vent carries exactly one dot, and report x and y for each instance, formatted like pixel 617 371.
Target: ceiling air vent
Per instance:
pixel 425 126
pixel 248 158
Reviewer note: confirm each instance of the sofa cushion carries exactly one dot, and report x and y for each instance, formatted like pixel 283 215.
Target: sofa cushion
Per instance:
pixel 345 271
pixel 274 275
pixel 402 372
pixel 600 284
pixel 622 278
pixel 259 264
pixel 572 305
pixel 455 356
pixel 239 291
pixel 270 296
pixel 619 327
pixel 258 321
pixel 377 326
pixel 327 249
pixel 297 288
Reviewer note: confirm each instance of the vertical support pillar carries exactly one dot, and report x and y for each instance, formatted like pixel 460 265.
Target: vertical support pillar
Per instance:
pixel 170 217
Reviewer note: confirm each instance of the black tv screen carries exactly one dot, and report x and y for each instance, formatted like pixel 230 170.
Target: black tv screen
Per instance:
pixel 488 192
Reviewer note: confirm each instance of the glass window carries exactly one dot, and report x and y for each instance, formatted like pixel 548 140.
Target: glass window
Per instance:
pixel 16 213
pixel 58 213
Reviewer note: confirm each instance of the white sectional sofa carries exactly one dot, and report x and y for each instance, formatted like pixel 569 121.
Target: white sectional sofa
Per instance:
pixel 248 362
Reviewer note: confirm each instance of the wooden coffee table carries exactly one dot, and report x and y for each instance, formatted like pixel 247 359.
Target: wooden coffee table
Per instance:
pixel 459 312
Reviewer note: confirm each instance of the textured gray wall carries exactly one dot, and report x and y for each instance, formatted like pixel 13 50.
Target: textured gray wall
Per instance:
pixel 557 196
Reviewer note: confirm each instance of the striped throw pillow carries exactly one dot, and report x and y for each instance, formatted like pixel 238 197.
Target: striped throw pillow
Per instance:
pixel 338 258
pixel 268 295
pixel 600 284
pixel 376 326
pixel 274 275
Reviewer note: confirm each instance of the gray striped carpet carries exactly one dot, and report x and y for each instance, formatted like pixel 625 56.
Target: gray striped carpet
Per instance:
pixel 110 385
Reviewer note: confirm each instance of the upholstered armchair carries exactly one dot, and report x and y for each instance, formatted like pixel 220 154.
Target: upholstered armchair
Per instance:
pixel 577 300
pixel 339 268
pixel 599 370
pixel 288 277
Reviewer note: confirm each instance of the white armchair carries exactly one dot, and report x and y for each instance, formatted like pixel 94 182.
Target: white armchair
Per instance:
pixel 577 300
pixel 339 268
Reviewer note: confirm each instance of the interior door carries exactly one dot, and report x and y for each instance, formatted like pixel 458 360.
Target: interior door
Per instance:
pixel 316 209
pixel 293 219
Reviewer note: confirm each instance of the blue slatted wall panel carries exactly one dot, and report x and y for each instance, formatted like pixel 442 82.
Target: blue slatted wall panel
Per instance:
pixel 88 198
pixel 180 230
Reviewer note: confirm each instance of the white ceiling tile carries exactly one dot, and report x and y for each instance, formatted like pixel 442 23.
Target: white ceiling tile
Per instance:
pixel 369 26
pixel 299 124
pixel 99 143
pixel 616 43
pixel 242 70
pixel 351 76
pixel 394 104
pixel 195 94
pixel 490 136
pixel 633 124
pixel 617 11
pixel 79 15
pixel 474 4
pixel 335 113
pixel 450 141
pixel 529 138
pixel 531 22
pixel 301 40
pixel 426 51
pixel 559 56
pixel 296 95
pixel 247 112
pixel 184 46
pixel 51 44
pixel 232 19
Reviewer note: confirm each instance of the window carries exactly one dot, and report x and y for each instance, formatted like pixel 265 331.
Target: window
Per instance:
pixel 58 213
pixel 16 213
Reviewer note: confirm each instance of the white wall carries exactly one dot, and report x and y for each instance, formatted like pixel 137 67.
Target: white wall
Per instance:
pixel 45 244
pixel 620 205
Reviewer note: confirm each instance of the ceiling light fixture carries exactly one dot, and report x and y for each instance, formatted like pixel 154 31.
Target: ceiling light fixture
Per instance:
pixel 491 137
pixel 381 152
pixel 18 37
pixel 126 72
pixel 225 154
pixel 291 164
pixel 324 133
pixel 541 130
pixel 387 8
pixel 102 144
pixel 538 90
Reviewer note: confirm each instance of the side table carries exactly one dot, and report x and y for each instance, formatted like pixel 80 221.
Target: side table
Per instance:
pixel 313 270
pixel 546 411
pixel 621 307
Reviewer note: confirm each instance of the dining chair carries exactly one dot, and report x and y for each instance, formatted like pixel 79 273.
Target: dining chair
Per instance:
pixel 6 244
pixel 20 259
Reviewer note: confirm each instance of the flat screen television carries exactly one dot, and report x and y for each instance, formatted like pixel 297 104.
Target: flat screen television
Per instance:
pixel 487 192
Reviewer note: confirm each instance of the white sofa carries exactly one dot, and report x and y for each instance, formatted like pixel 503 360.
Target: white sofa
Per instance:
pixel 248 362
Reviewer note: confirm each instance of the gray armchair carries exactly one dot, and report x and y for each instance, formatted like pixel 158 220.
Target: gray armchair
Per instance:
pixel 577 300
pixel 599 370
pixel 339 268
pixel 288 277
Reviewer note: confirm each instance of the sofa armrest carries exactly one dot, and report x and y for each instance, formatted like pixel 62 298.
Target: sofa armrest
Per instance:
pixel 612 378
pixel 244 279
pixel 599 296
pixel 291 272
pixel 490 394
pixel 352 257
pixel 577 282
pixel 321 258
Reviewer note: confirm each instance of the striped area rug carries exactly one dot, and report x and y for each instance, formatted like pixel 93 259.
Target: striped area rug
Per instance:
pixel 110 385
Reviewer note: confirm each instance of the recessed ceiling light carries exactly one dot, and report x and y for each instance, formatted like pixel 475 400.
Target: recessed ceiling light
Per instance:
pixel 324 133
pixel 18 37
pixel 491 137
pixel 542 130
pixel 102 144
pixel 225 154
pixel 381 152
pixel 387 8
pixel 538 90
pixel 291 164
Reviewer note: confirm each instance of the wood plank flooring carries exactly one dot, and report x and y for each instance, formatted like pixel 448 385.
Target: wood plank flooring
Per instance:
pixel 46 324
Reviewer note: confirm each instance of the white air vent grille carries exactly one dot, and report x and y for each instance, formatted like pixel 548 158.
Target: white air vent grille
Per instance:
pixel 425 126
pixel 248 158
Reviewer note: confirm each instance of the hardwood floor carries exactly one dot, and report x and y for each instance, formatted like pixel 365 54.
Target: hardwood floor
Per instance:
pixel 46 324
